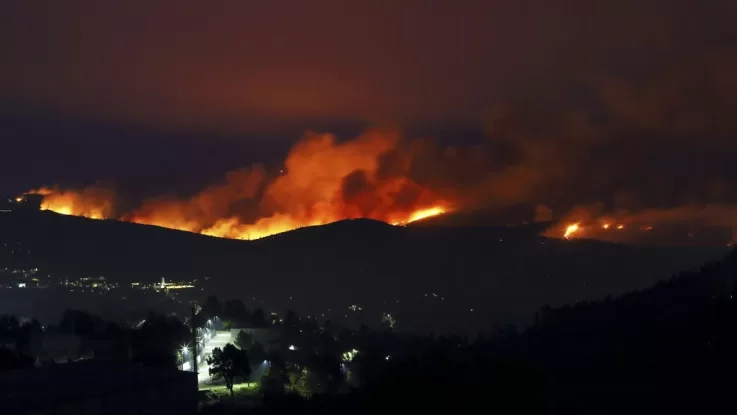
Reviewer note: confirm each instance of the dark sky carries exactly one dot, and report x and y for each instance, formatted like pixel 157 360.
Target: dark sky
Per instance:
pixel 167 95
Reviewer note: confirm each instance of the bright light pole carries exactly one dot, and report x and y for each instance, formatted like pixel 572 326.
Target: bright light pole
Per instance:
pixel 184 352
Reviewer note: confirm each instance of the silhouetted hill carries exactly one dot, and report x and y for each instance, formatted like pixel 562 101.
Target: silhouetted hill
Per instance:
pixel 126 251
pixel 429 278
pixel 668 347
pixel 336 231
pixel 484 217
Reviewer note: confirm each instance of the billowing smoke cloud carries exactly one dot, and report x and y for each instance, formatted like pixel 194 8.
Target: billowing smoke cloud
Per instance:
pixel 324 181
pixel 650 153
pixel 206 207
pixel 624 109
pixel 658 154
pixel 321 181
pixel 235 67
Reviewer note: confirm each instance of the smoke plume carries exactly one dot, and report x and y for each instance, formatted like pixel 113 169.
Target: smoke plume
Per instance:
pixel 321 181
pixel 642 154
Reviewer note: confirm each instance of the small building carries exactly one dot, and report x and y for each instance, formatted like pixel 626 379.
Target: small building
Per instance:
pixel 90 388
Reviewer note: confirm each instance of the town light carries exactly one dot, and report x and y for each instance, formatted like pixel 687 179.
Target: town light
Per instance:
pixel 349 355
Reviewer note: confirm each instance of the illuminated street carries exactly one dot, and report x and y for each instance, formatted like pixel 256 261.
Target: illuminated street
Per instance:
pixel 220 339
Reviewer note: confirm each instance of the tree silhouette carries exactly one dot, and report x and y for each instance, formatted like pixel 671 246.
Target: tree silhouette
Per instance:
pixel 324 375
pixel 9 326
pixel 244 340
pixel 257 353
pixel 236 312
pixel 290 326
pixel 26 332
pixel 301 382
pixel 159 338
pixel 79 322
pixel 227 364
pixel 275 379
pixel 212 307
pixel 259 318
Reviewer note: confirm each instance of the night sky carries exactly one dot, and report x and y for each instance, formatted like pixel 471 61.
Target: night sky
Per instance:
pixel 629 104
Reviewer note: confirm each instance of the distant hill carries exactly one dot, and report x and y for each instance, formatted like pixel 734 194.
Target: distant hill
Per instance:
pixel 484 217
pixel 667 348
pixel 71 244
pixel 444 278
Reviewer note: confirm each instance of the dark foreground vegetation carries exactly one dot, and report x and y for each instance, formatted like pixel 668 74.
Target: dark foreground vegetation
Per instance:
pixel 667 349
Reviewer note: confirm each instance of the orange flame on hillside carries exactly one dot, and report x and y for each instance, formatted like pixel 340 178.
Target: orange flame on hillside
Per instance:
pixel 420 215
pixel 425 213
pixel 322 181
pixel 710 222
pixel 92 202
pixel 579 230
pixel 571 230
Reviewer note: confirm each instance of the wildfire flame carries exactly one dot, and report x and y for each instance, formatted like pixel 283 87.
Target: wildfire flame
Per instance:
pixel 93 203
pixel 716 224
pixel 571 230
pixel 421 214
pixel 425 213
pixel 579 230
pixel 322 181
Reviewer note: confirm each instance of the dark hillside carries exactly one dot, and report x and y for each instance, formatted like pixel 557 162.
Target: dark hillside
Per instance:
pixel 429 278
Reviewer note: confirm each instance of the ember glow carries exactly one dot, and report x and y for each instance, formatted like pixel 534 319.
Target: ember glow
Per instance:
pixel 590 230
pixel 713 224
pixel 571 230
pixel 322 181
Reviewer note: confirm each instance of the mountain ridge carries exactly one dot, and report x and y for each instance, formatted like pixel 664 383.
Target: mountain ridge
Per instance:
pixel 431 278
